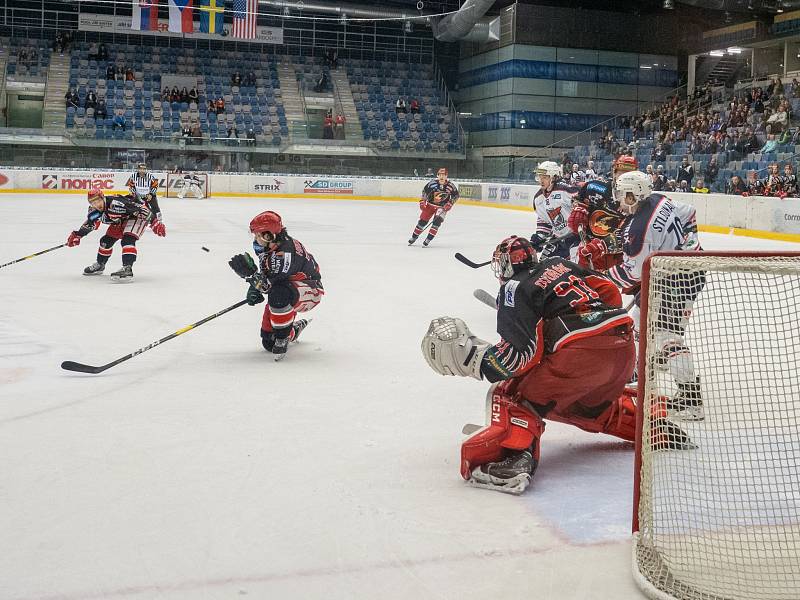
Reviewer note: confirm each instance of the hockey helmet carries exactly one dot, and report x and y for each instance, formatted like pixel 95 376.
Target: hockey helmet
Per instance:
pixel 141 168
pixel 266 222
pixel 625 164
pixel 511 256
pixel 635 183
pixel 95 193
pixel 548 168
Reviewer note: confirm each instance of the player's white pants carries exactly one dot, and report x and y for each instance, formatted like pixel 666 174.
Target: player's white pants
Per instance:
pixel 670 352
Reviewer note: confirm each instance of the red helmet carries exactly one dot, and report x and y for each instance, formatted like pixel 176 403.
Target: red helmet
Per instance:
pixel 94 193
pixel 511 256
pixel 266 221
pixel 625 163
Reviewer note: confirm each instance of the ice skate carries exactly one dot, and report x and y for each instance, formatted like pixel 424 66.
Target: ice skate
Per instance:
pixel 511 475
pixel 668 436
pixel 411 240
pixel 427 241
pixel 687 403
pixel 124 275
pixel 280 347
pixel 297 328
pixel 94 269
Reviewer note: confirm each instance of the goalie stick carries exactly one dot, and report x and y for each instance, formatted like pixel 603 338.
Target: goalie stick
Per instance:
pixel 32 255
pixel 81 368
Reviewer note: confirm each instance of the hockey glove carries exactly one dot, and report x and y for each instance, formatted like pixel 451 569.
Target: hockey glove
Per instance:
pixel 422 204
pixel 74 239
pixel 159 229
pixel 254 296
pixel 591 252
pixel 244 265
pixel 538 241
pixel 579 217
pixel 450 348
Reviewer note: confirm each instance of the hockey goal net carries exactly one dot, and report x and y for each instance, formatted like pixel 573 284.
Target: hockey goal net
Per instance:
pixel 717 485
pixel 188 185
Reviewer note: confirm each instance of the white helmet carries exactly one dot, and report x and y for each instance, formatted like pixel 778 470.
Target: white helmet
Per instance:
pixel 548 168
pixel 633 182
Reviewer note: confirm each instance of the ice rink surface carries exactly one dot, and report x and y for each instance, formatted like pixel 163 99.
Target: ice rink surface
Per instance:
pixel 203 470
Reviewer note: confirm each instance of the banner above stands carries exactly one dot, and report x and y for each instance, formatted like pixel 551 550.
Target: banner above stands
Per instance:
pixel 719 213
pixel 117 24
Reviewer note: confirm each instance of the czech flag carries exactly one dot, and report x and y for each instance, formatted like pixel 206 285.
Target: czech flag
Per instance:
pixel 145 15
pixel 180 16
pixel 211 16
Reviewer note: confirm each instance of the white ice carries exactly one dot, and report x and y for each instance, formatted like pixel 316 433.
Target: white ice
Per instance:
pixel 203 470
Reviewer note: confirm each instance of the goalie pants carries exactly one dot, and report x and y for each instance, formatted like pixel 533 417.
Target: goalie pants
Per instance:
pixel 129 231
pixel 284 300
pixel 582 384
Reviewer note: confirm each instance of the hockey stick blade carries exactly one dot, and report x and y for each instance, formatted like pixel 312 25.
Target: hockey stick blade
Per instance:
pixel 486 298
pixel 470 428
pixel 461 258
pixel 68 365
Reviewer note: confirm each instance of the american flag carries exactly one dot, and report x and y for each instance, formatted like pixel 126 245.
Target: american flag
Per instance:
pixel 244 19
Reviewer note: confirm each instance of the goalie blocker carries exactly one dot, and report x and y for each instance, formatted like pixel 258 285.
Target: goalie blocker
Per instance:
pixel 553 318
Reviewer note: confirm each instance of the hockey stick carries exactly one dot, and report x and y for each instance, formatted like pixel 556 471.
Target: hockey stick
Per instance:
pixel 486 298
pixel 32 255
pixel 460 257
pixel 81 368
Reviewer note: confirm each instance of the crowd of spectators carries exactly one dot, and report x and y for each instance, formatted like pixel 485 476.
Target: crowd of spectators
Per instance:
pixel 401 106
pixel 63 41
pixel 180 96
pixel 333 126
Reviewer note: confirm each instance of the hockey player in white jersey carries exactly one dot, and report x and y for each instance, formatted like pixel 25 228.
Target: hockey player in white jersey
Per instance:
pixel 656 223
pixel 553 204
pixel 191 184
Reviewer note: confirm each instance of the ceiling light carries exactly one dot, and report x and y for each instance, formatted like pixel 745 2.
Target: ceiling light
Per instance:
pixel 734 50
pixel 716 53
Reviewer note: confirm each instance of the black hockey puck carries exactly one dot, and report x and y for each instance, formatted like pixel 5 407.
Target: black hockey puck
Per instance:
pixel 204 248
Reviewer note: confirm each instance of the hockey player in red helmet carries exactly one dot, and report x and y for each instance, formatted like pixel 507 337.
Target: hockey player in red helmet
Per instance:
pixel 286 273
pixel 552 317
pixel 438 197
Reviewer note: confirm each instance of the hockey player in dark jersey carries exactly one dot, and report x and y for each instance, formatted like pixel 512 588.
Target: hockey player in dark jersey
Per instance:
pixel 127 216
pixel 553 203
pixel 552 317
pixel 595 216
pixel 289 276
pixel 438 197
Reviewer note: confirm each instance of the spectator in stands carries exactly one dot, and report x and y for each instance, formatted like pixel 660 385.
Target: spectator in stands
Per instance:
pixel 220 105
pixel 111 72
pixel 102 52
pixel 685 172
pixel 790 188
pixel 711 171
pixel 91 100
pixel 233 136
pixel 185 95
pixel 659 179
pixel 429 173
pixel 193 96
pixel 658 155
pixel 236 79
pixel 566 164
pixel 327 127
pixel 400 106
pixel 71 98
pixel 590 172
pixel 197 134
pixel 101 112
pixel 212 107
pixel 175 95
pixel 58 43
pixel 322 83
pixel 780 118
pixel 339 130
pixel 671 186
pixel 129 76
pixel 186 133
pixel 250 79
pixel 251 137
pixel 331 58
pixel 736 186
pixel 414 106
pixel 754 186
pixel 700 187
pixel 93 51
pixel 119 121
pixel 683 186
pixel 165 95
pixel 773 182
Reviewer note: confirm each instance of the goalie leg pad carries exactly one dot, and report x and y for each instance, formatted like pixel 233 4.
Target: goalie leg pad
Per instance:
pixel 510 426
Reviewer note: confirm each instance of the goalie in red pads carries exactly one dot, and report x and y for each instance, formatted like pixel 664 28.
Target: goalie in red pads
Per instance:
pixel 553 317
pixel 286 273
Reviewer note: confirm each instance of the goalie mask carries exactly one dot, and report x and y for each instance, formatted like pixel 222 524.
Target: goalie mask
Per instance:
pixel 512 255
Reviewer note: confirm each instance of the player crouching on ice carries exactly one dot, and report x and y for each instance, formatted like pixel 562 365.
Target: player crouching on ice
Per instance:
pixel 289 276
pixel 127 216
pixel 555 320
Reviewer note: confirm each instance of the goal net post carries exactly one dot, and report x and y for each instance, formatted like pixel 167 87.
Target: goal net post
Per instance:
pixel 717 514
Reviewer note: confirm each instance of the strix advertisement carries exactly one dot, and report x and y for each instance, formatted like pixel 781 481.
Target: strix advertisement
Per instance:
pixel 328 186
pixel 268 185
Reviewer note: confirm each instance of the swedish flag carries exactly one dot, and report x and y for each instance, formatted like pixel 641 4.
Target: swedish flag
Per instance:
pixel 211 16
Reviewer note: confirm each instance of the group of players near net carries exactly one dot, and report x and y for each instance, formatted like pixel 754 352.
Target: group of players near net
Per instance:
pixel 559 304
